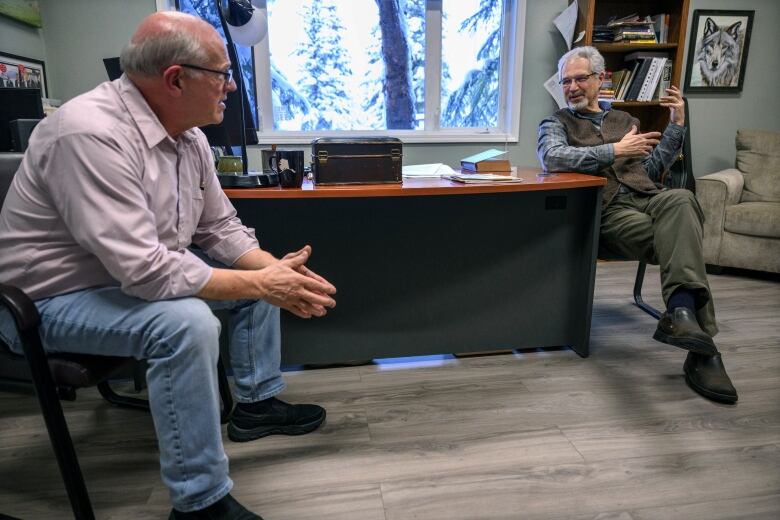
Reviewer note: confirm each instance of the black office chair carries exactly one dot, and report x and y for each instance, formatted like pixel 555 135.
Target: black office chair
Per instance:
pixel 58 376
pixel 680 175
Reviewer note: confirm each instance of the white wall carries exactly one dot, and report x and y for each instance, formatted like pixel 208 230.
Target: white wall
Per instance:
pixel 80 33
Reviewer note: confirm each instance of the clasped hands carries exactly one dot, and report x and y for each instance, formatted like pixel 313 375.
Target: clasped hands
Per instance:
pixel 289 284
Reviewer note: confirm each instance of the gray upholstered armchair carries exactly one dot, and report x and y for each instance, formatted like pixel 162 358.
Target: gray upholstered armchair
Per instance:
pixel 742 206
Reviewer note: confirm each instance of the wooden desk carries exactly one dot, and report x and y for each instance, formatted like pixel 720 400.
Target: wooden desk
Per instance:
pixel 434 266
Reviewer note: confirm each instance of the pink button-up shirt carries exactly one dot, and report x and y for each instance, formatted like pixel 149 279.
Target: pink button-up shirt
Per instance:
pixel 104 196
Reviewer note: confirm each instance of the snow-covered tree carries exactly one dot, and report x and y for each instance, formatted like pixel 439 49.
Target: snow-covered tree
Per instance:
pixel 399 98
pixel 325 67
pixel 376 83
pixel 475 102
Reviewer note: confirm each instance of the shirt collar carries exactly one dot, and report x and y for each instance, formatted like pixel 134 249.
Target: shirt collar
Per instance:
pixel 605 106
pixel 147 121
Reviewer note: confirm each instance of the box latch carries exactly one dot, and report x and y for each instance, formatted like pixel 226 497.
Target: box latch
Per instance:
pixel 322 157
pixel 395 154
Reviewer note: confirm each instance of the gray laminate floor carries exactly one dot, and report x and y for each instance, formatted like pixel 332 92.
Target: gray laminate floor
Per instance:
pixel 528 435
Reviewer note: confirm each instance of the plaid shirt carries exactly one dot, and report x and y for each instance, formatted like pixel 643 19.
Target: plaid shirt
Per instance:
pixel 555 154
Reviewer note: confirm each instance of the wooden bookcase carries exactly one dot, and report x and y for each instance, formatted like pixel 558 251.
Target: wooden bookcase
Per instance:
pixel 598 12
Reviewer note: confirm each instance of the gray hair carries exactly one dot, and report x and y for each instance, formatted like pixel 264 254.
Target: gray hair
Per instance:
pixel 594 57
pixel 154 53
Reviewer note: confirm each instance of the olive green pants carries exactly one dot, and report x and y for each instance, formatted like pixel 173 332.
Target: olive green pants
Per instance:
pixel 663 229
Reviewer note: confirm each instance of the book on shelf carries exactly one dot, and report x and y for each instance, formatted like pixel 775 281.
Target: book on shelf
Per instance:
pixel 603 34
pixel 637 55
pixel 632 28
pixel 624 83
pixel 651 79
pixel 666 80
pixel 629 18
pixel 639 42
pixel 661 27
pixel 638 79
pixel 486 162
pixel 636 37
pixel 607 90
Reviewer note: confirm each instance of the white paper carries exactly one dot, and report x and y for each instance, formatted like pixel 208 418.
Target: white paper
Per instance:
pixel 482 177
pixel 555 90
pixel 566 21
pixel 426 170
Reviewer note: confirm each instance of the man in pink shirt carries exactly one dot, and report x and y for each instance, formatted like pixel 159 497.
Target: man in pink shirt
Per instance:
pixel 97 226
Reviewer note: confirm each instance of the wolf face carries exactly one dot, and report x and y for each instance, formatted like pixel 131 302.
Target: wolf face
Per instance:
pixel 718 57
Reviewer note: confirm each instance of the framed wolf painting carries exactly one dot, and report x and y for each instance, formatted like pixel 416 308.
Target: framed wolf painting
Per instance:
pixel 717 51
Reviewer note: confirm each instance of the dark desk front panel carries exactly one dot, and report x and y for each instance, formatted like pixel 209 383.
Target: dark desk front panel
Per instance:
pixel 441 274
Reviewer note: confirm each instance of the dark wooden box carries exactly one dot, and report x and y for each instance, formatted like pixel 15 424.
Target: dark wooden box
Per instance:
pixel 370 160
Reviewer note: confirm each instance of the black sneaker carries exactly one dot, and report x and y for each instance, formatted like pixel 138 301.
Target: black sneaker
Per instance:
pixel 226 508
pixel 279 418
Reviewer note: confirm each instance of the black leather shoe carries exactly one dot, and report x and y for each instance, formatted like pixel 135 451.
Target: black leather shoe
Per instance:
pixel 680 328
pixel 226 508
pixel 707 376
pixel 280 418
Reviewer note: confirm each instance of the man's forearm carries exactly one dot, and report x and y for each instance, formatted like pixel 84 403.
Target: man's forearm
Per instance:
pixel 556 155
pixel 232 284
pixel 241 282
pixel 254 259
pixel 664 155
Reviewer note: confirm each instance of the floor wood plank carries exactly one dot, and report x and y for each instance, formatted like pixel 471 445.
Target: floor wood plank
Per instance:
pixel 533 434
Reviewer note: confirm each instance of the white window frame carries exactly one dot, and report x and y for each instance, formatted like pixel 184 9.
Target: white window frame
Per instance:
pixel 510 76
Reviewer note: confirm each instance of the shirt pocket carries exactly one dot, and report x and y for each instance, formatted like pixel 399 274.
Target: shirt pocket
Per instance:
pixel 196 206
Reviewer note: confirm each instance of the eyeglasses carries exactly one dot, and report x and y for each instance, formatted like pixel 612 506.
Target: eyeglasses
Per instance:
pixel 227 75
pixel 581 80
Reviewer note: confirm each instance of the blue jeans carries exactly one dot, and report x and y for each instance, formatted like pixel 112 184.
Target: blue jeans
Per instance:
pixel 180 340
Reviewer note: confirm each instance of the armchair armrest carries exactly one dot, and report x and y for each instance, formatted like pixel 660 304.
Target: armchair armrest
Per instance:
pixel 730 179
pixel 715 192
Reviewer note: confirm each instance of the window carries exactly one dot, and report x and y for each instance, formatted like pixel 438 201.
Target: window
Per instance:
pixel 207 10
pixel 449 69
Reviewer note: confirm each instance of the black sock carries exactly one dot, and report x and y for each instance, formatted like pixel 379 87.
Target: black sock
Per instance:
pixel 258 406
pixel 682 298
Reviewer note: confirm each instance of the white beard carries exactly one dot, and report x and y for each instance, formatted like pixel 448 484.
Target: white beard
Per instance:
pixel 580 105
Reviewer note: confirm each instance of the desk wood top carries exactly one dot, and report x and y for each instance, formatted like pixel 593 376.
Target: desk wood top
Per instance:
pixel 532 181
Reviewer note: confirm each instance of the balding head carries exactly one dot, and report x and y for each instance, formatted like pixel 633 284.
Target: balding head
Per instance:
pixel 167 38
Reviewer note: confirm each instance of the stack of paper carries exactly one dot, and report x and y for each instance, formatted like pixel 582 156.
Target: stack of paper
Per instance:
pixel 473 178
pixel 426 170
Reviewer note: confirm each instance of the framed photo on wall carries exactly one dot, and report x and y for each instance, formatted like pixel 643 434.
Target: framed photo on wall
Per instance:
pixel 19 72
pixel 717 50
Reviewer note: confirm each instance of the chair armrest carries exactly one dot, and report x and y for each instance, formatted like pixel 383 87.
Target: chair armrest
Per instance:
pixel 21 307
pixel 715 192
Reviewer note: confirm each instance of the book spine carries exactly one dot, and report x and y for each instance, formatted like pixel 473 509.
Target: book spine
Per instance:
pixel 627 82
pixel 650 81
pixel 666 79
pixel 636 83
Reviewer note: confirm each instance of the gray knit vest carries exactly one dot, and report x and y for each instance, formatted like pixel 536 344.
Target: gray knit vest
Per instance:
pixel 625 170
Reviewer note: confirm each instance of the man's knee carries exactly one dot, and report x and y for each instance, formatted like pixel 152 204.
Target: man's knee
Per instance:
pixel 682 196
pixel 678 202
pixel 186 323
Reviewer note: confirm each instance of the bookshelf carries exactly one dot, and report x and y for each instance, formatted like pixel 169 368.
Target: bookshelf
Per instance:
pixel 598 12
